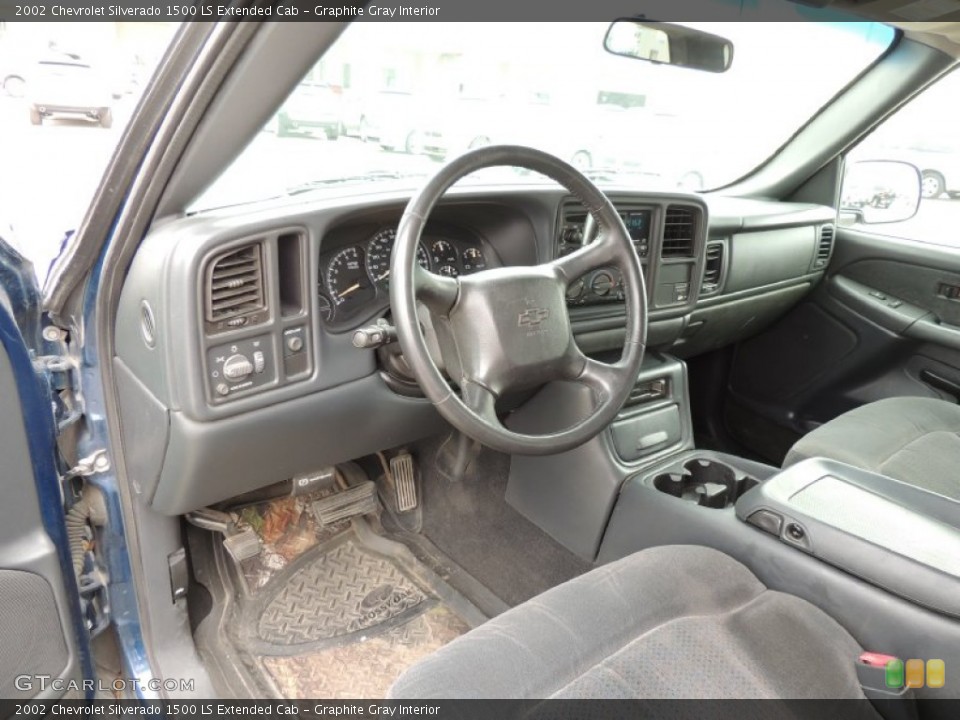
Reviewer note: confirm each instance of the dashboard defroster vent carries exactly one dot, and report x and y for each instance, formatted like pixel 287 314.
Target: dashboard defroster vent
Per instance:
pixel 679 232
pixel 824 247
pixel 713 270
pixel 234 285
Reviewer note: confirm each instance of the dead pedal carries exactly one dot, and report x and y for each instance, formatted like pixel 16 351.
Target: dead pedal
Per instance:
pixel 242 545
pixel 401 468
pixel 359 499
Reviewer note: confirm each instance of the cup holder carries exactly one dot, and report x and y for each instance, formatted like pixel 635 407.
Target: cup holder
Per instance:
pixel 708 483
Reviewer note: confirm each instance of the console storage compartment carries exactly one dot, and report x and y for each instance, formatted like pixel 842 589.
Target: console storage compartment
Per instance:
pixel 897 536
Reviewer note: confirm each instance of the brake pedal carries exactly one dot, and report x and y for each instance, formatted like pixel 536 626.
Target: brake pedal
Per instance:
pixel 359 499
pixel 243 545
pixel 401 468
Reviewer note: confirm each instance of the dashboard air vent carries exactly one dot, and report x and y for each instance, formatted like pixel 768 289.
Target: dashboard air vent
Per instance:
pixel 679 231
pixel 824 247
pixel 713 270
pixel 235 284
pixel 572 228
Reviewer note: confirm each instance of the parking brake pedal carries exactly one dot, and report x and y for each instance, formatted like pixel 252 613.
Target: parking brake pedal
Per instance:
pixel 241 543
pixel 358 499
pixel 401 468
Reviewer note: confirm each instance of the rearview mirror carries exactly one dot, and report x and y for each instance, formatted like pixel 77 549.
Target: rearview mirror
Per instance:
pixel 880 191
pixel 669 44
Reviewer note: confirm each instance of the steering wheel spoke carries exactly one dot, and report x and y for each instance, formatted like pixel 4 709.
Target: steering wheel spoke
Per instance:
pixel 602 251
pixel 603 378
pixel 437 292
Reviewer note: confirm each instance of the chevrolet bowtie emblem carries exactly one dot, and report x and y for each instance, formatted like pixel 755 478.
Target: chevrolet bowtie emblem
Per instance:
pixel 532 317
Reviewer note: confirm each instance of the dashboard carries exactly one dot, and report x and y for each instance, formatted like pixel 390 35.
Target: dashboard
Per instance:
pixel 233 332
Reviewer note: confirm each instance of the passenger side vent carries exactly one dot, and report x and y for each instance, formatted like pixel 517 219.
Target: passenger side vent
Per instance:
pixel 713 269
pixel 679 231
pixel 825 247
pixel 234 285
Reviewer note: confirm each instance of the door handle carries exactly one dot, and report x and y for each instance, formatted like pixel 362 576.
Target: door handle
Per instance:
pixel 928 329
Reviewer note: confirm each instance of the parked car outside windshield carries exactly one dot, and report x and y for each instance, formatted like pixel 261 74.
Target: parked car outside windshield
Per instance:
pixel 69 86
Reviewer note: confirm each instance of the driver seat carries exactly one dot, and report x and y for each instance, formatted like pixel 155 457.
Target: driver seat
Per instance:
pixel 668 622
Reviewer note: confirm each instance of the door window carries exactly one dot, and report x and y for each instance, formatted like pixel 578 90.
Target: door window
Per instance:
pixel 926 134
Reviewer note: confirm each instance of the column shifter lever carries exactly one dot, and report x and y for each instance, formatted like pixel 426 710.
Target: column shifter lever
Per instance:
pixel 373 336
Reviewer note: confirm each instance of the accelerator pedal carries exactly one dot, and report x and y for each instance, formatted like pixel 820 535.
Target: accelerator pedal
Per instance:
pixel 358 499
pixel 401 468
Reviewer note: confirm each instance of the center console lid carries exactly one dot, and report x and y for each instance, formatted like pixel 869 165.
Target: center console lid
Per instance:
pixel 897 536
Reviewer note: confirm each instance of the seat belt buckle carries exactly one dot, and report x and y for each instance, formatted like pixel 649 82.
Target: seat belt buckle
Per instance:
pixel 883 681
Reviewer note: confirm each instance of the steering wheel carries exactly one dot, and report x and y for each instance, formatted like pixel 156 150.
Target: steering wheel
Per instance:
pixel 508 328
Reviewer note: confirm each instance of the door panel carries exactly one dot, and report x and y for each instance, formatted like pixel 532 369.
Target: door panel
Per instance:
pixel 38 630
pixel 880 325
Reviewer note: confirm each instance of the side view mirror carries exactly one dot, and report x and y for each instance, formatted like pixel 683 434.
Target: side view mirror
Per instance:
pixel 669 44
pixel 880 191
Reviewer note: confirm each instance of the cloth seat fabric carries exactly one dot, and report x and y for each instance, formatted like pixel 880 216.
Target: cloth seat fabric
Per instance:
pixel 915 440
pixel 668 622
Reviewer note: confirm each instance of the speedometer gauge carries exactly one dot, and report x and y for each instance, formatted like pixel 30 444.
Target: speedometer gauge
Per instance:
pixel 380 252
pixel 347 280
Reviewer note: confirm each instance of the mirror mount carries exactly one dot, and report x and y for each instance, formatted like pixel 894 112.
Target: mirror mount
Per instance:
pixel 669 44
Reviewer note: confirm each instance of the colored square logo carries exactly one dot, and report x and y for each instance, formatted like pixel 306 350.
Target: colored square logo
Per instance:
pixel 936 674
pixel 914 675
pixel 893 674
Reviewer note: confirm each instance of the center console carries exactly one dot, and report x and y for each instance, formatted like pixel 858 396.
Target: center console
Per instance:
pixel 891 534
pixel 879 556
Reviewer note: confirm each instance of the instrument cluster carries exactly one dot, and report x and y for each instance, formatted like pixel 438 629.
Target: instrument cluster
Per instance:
pixel 354 281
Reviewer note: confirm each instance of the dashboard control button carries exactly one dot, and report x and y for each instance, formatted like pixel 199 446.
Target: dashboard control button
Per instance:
pixel 222 389
pixel 295 343
pixel 259 361
pixel 237 367
pixel 602 283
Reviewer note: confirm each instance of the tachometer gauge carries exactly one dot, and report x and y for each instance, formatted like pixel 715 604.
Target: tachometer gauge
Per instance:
pixel 444 255
pixel 473 260
pixel 347 279
pixel 380 252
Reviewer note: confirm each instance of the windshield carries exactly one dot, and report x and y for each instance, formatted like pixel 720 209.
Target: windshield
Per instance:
pixel 384 105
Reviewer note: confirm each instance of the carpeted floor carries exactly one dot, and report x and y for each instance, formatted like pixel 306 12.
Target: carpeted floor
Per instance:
pixel 472 524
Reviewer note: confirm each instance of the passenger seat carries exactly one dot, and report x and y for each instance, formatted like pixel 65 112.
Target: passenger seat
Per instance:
pixel 915 440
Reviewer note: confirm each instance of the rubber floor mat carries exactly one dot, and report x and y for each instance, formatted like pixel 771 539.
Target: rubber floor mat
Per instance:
pixel 342 591
pixel 366 668
pixel 347 617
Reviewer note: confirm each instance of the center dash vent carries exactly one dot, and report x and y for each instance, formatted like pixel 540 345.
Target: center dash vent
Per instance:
pixel 234 286
pixel 679 231
pixel 572 226
pixel 713 269
pixel 824 247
